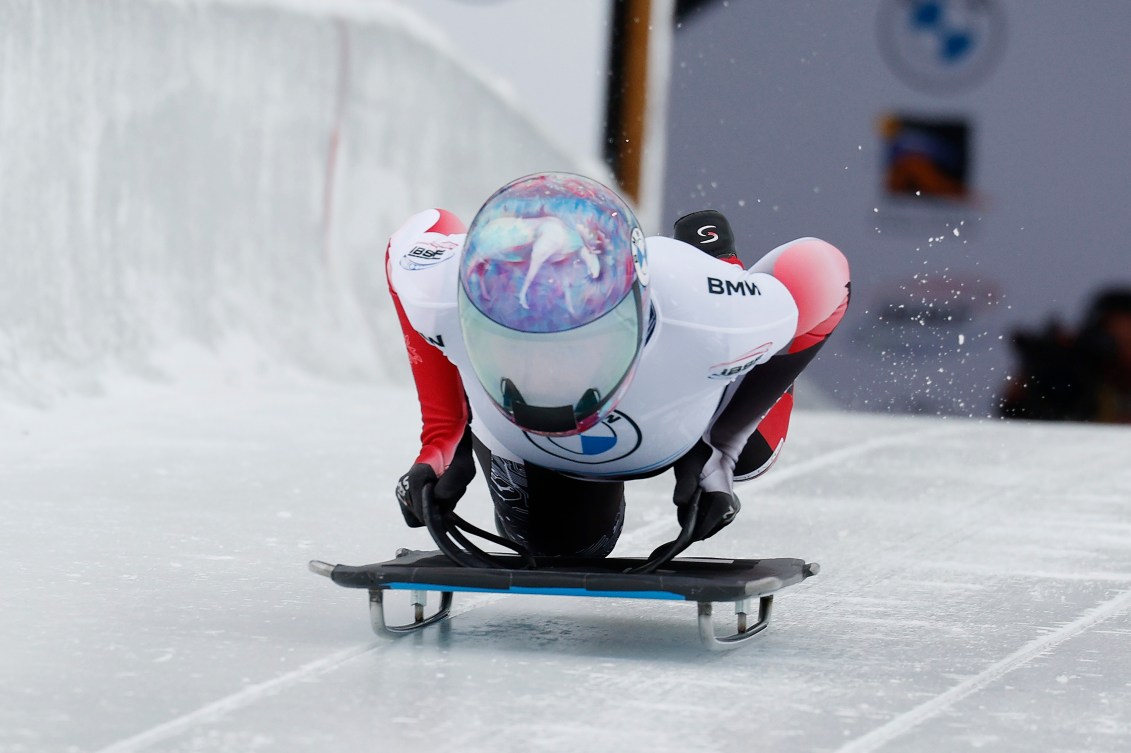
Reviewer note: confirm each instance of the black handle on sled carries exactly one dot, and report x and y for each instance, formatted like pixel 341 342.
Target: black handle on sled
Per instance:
pixel 447 530
pixel 451 541
pixel 665 553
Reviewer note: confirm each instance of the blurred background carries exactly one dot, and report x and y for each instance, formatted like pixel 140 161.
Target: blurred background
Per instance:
pixel 222 174
pixel 970 157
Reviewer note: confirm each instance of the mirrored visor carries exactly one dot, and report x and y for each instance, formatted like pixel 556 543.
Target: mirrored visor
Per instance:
pixel 580 369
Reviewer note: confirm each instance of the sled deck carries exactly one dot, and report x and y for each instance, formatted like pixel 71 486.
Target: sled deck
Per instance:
pixel 747 583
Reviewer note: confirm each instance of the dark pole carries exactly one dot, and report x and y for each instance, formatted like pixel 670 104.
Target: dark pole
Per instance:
pixel 626 96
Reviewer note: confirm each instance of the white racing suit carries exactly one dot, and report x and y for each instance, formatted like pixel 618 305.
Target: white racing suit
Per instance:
pixel 723 348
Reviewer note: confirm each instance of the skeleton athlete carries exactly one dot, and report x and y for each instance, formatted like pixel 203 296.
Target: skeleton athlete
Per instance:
pixel 673 357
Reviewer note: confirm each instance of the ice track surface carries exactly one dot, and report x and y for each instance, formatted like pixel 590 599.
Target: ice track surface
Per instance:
pixel 228 172
pixel 975 592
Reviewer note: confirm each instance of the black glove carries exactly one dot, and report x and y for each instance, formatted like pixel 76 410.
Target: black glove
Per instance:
pixel 716 510
pixel 447 489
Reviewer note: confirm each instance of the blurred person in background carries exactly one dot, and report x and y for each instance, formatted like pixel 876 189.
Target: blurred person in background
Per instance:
pixel 1076 376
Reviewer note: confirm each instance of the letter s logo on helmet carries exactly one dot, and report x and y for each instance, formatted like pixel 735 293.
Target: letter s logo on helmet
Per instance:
pixel 707 231
pixel 553 301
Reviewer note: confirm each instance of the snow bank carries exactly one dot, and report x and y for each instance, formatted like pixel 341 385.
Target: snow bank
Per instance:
pixel 219 178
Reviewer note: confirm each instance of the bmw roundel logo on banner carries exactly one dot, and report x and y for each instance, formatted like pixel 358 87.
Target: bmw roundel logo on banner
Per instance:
pixel 941 45
pixel 616 437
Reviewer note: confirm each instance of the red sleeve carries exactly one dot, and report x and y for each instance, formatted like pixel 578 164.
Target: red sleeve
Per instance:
pixel 444 411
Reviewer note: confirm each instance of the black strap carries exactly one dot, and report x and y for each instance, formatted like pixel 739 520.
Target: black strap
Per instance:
pixel 448 533
pixel 665 553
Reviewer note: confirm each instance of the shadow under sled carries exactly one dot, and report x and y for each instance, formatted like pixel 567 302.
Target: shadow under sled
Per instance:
pixel 703 580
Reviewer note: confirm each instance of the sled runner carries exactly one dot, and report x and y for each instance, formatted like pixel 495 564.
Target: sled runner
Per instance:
pixel 747 583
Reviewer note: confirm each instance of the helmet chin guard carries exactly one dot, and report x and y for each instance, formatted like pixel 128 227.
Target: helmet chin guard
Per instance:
pixel 563 419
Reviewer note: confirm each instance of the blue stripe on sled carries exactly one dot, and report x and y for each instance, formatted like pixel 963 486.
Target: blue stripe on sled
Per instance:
pixel 542 591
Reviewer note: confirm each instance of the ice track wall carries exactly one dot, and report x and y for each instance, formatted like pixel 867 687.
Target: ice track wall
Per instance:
pixel 224 174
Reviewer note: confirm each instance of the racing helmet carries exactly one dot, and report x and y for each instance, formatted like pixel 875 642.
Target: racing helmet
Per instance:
pixel 553 301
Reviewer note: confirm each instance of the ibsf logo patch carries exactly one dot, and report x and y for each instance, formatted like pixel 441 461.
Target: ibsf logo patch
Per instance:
pixel 616 437
pixel 739 366
pixel 428 254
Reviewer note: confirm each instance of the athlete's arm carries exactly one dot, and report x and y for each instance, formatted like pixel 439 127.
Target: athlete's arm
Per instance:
pixel 443 405
pixel 753 418
pixel 445 448
pixel 810 284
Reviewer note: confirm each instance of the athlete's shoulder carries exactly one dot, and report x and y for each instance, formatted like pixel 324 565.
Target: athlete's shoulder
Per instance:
pixel 421 255
pixel 427 238
pixel 684 273
pixel 716 318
